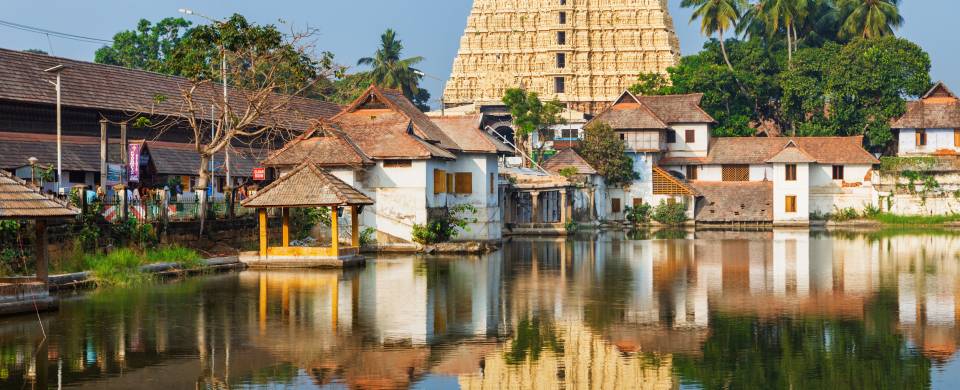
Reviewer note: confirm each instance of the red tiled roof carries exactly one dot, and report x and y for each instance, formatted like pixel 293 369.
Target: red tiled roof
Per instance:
pixel 759 150
pixel 386 134
pixel 791 154
pixel 307 185
pixel 18 201
pixel 325 146
pixel 568 158
pixel 465 131
pixel 98 86
pixel 377 98
pixel 726 202
pixel 938 109
pixel 653 112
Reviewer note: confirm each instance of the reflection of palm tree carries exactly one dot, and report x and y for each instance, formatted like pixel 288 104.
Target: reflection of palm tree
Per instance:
pixel 532 337
pixel 389 71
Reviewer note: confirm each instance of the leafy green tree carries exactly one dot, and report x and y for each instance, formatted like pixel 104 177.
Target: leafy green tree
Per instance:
pixel 716 17
pixel 651 84
pixel 147 47
pixel 530 115
pixel 606 152
pixel 390 71
pixel 870 18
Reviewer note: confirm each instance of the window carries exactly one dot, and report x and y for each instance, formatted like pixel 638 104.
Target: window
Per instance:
pixel 569 134
pixel 623 137
pixel 561 37
pixel 735 173
pixel 463 183
pixel 561 60
pixel 921 137
pixel 563 18
pixel 558 84
pixel 439 181
pixel 637 202
pixel 838 172
pixel 77 177
pixel 451 183
pixel 615 205
pixel 690 136
pixel 397 163
pixel 563 2
pixel 956 137
pixel 493 183
pixel 791 172
pixel 671 137
pixel 691 172
pixel 790 204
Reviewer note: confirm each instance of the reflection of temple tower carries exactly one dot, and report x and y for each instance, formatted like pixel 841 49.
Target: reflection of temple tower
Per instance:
pixel 581 52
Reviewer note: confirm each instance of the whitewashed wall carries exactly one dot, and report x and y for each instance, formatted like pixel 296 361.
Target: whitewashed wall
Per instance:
pixel 936 139
pixel 696 149
pixel 783 188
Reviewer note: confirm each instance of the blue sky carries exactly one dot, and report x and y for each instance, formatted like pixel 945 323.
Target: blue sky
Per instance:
pixel 351 29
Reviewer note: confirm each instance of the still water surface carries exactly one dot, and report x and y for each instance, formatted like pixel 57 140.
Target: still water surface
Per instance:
pixel 784 309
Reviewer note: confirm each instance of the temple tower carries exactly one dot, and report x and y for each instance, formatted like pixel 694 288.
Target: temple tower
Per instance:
pixel 581 52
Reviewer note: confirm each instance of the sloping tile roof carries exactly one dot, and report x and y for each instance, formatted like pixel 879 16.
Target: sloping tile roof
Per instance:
pixel 683 161
pixel 791 154
pixel 325 146
pixel 938 109
pixel 653 112
pixel 376 99
pixel 18 201
pixel 759 150
pixel 386 134
pixel 306 186
pixel 725 202
pixel 465 131
pixel 98 86
pixel 82 153
pixel 568 158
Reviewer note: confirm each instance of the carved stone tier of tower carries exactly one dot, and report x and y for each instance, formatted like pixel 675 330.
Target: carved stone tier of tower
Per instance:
pixel 581 52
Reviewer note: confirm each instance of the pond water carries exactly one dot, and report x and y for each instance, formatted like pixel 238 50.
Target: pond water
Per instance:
pixel 783 309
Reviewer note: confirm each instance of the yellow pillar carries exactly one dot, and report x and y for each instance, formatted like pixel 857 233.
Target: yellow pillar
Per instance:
pixel 263 303
pixel 335 303
pixel 286 226
pixel 355 226
pixel 334 230
pixel 263 232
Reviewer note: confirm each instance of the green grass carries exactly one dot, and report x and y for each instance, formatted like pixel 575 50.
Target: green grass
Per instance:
pixel 892 219
pixel 122 267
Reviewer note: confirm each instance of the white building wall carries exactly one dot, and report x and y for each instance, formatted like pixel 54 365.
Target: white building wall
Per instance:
pixel 761 172
pixel 937 139
pixel 398 196
pixel 489 224
pixel 698 148
pixel 827 195
pixel 711 173
pixel 783 188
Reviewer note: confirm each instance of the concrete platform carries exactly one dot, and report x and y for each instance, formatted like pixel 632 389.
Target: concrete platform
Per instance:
pixel 254 261
pixel 25 297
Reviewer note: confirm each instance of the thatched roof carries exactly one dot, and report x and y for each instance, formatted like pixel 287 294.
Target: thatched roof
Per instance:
pixel 306 186
pixel 18 201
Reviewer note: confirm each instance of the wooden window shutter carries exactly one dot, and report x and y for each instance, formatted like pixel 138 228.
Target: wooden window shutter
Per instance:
pixel 464 183
pixel 691 172
pixel 439 181
pixel 791 172
pixel 735 173
pixel 956 137
pixel 790 204
pixel 450 183
pixel 493 183
pixel 615 205
pixel 690 136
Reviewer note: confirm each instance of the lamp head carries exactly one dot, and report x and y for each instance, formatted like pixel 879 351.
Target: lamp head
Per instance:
pixel 55 69
pixel 33 160
pixel 185 11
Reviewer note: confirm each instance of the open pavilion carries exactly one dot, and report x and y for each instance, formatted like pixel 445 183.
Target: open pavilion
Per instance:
pixel 19 201
pixel 307 186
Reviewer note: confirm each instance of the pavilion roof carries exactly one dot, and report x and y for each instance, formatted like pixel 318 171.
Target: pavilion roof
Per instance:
pixel 307 185
pixel 18 201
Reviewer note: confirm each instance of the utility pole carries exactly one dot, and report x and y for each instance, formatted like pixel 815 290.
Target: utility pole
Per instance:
pixel 56 70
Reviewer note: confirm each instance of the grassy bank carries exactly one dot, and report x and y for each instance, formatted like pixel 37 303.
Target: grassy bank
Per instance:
pixel 122 267
pixel 892 219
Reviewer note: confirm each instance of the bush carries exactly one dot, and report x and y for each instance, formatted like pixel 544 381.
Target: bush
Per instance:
pixel 302 220
pixel 670 213
pixel 844 214
pixel 639 214
pixel 871 211
pixel 118 268
pixel 447 227
pixel 368 236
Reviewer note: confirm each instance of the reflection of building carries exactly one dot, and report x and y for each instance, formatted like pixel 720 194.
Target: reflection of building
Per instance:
pixel 581 53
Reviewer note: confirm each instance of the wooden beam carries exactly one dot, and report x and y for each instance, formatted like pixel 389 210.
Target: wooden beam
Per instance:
pixel 355 226
pixel 334 229
pixel 286 226
pixel 41 250
pixel 263 232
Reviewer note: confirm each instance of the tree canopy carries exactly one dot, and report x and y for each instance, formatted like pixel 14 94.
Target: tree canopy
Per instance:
pixel 606 152
pixel 530 115
pixel 388 70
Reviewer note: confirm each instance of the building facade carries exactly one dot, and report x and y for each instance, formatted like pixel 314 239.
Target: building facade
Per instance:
pixel 580 52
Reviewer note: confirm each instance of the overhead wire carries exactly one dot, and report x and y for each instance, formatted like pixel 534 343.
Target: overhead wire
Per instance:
pixel 57 34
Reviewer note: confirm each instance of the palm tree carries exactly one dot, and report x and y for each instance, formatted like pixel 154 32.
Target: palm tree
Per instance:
pixel 716 16
pixel 870 18
pixel 389 71
pixel 788 14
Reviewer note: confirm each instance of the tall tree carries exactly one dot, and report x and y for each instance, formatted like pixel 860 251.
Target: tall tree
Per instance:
pixel 869 18
pixel 606 152
pixel 530 115
pixel 147 47
pixel 786 14
pixel 390 71
pixel 716 16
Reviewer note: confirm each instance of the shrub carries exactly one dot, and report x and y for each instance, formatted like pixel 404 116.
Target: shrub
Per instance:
pixel 639 214
pixel 871 210
pixel 368 236
pixel 445 228
pixel 670 213
pixel 844 214
pixel 568 172
pixel 302 220
pixel 118 268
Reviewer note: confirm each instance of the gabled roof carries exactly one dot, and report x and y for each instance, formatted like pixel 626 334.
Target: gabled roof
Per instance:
pixel 18 201
pixel 653 112
pixel 387 134
pixel 307 186
pixel 115 88
pixel 466 132
pixel 324 145
pixel 791 153
pixel 939 108
pixel 760 150
pixel 568 158
pixel 378 98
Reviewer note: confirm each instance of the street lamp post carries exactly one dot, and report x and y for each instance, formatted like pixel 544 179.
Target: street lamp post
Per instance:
pixel 33 170
pixel 443 88
pixel 57 70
